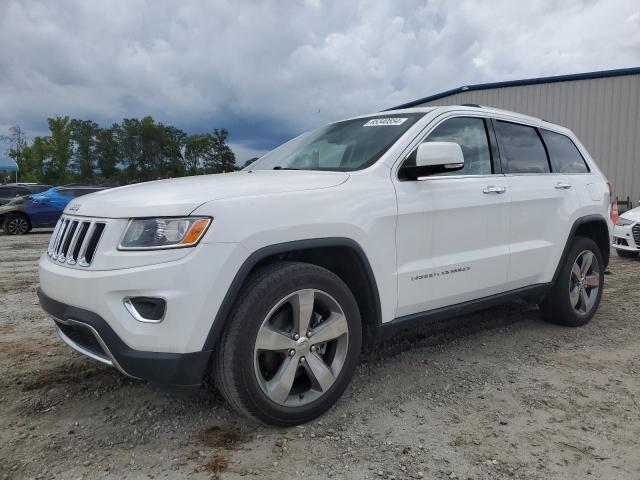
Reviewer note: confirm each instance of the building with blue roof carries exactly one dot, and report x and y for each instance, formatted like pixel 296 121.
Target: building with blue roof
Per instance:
pixel 602 108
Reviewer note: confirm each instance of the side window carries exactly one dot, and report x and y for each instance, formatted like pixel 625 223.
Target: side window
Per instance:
pixel 470 133
pixel 66 192
pixel 83 191
pixel 522 150
pixel 564 155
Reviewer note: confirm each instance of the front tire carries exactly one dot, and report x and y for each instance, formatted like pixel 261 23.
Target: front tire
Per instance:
pixel 16 225
pixel 574 298
pixel 290 346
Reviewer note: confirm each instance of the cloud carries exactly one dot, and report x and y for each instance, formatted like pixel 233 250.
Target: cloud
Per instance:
pixel 269 70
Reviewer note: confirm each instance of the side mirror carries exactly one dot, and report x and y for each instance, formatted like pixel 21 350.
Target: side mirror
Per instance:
pixel 430 158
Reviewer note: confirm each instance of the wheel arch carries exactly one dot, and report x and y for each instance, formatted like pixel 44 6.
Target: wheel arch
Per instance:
pixel 594 227
pixel 342 256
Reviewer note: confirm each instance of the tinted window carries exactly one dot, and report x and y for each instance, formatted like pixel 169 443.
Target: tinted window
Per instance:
pixel 78 192
pixel 564 155
pixel 13 191
pixel 471 135
pixel 522 150
pixel 343 146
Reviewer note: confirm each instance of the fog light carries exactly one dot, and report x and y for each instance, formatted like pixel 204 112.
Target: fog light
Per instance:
pixel 146 309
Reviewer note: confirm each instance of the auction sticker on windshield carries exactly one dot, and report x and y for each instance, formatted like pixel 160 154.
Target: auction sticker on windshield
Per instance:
pixel 375 122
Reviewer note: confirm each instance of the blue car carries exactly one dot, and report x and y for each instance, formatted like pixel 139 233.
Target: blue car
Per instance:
pixel 40 210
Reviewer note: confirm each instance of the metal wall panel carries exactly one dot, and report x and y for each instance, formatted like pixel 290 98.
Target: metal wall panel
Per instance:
pixel 603 112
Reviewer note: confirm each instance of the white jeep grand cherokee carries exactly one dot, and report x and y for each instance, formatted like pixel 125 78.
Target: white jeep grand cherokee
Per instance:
pixel 267 280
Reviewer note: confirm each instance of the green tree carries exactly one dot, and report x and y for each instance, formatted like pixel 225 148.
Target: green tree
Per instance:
pixel 195 150
pixel 128 136
pixel 219 157
pixel 32 160
pixel 132 151
pixel 171 142
pixel 18 148
pixel 60 145
pixel 107 152
pixel 83 134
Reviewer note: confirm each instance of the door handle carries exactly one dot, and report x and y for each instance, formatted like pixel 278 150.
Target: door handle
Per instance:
pixel 494 189
pixel 563 185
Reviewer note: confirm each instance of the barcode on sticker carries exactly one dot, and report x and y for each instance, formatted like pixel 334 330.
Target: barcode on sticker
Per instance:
pixel 374 122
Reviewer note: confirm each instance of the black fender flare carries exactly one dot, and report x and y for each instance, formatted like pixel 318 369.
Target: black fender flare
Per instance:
pixel 595 218
pixel 280 248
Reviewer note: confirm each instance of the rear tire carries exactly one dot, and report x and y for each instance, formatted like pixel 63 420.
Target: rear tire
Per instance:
pixel 15 224
pixel 574 298
pixel 626 254
pixel 269 371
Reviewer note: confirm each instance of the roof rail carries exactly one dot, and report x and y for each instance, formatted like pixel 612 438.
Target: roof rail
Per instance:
pixel 471 105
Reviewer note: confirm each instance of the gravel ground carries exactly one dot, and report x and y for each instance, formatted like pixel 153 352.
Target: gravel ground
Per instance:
pixel 495 395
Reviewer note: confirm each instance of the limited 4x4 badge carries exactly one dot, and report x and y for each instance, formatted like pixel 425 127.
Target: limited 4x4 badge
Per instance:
pixel 441 273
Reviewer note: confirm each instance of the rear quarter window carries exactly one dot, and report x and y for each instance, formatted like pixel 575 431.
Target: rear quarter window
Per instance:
pixel 563 153
pixel 521 149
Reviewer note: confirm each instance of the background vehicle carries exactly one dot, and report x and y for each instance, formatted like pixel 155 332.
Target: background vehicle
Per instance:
pixel 626 234
pixel 274 276
pixel 40 210
pixel 32 187
pixel 9 192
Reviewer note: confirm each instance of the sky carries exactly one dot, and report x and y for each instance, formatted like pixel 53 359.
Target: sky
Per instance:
pixel 267 71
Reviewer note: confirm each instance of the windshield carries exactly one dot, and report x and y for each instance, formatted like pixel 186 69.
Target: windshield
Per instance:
pixel 342 146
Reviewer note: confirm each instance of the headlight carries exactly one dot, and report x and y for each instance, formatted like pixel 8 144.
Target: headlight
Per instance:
pixel 623 222
pixel 159 233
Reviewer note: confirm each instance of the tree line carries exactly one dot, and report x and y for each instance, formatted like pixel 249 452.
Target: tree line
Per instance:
pixel 134 150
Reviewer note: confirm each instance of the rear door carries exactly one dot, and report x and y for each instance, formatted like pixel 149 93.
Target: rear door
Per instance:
pixel 543 203
pixel 452 230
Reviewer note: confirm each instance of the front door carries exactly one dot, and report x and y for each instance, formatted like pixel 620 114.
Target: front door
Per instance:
pixel 452 230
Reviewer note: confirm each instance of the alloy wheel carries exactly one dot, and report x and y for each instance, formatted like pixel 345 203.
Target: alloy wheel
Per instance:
pixel 301 347
pixel 584 282
pixel 17 226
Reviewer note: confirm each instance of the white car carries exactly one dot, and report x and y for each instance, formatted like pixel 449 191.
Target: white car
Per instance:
pixel 268 280
pixel 626 234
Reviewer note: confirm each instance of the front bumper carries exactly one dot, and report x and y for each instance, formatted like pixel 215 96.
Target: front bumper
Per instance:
pixel 626 237
pixel 89 334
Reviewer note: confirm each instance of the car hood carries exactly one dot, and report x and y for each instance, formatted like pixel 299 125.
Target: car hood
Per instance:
pixel 633 215
pixel 180 196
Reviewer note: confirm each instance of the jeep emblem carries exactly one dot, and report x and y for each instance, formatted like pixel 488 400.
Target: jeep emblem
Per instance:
pixel 74 207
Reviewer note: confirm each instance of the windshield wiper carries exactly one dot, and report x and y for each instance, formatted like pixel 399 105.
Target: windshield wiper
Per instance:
pixel 278 167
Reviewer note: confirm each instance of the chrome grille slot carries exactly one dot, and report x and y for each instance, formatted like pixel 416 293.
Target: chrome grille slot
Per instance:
pixel 54 238
pixel 82 232
pixel 93 242
pixel 636 233
pixel 63 231
pixel 64 248
pixel 74 241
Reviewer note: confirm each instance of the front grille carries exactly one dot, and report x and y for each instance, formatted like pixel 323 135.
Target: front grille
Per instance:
pixel 83 337
pixel 636 233
pixel 74 241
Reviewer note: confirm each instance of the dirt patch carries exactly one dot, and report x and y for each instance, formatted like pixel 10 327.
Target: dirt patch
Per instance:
pixel 217 464
pixel 227 439
pixel 495 395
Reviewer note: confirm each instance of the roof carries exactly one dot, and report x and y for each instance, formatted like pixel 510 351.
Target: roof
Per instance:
pixel 7 164
pixel 518 83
